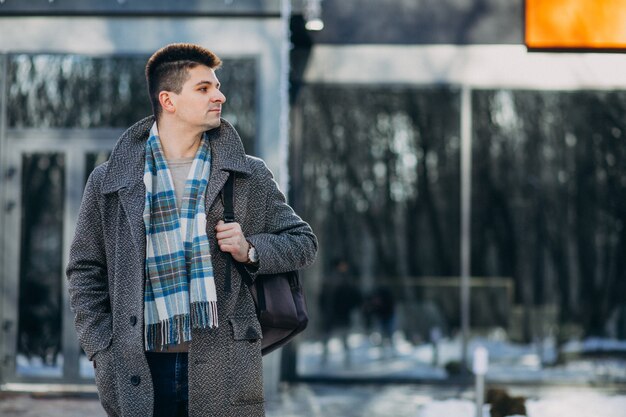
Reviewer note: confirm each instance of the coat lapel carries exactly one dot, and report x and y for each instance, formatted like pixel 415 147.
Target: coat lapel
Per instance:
pixel 216 183
pixel 124 176
pixel 133 201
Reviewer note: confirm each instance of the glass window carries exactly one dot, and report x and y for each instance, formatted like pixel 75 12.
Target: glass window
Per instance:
pixel 77 91
pixel 41 270
pixel 378 179
pixel 548 222
pixel 238 78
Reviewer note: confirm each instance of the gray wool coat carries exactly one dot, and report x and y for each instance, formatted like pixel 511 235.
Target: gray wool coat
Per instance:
pixel 106 279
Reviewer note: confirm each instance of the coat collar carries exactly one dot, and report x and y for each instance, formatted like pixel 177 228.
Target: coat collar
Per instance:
pixel 126 164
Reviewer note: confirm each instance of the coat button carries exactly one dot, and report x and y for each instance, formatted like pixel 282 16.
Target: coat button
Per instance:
pixel 133 320
pixel 135 380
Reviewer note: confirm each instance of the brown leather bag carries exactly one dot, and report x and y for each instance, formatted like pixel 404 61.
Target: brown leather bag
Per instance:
pixel 279 298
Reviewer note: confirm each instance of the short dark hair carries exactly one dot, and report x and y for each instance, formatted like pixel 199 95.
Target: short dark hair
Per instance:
pixel 168 69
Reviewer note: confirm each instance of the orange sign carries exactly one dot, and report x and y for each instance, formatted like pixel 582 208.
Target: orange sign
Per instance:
pixel 576 24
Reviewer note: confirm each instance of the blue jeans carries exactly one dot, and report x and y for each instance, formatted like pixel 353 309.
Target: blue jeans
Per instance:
pixel 169 377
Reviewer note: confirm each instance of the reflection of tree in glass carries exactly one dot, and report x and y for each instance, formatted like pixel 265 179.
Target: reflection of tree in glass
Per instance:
pixel 380 170
pixel 238 79
pixel 77 91
pixel 41 257
pixel 549 201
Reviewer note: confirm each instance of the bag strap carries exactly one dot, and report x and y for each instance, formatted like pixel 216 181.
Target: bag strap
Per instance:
pixel 229 217
pixel 228 198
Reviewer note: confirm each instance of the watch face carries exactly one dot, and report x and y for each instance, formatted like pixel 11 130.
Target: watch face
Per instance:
pixel 252 255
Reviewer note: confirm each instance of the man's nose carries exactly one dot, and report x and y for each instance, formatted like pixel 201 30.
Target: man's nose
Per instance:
pixel 219 97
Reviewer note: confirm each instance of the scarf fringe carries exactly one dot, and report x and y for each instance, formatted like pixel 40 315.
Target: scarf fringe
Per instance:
pixel 204 314
pixel 176 330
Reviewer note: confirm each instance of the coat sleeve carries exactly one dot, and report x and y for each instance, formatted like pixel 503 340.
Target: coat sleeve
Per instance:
pixel 287 242
pixel 87 273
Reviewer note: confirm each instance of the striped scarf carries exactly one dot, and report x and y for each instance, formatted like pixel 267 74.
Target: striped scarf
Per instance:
pixel 179 287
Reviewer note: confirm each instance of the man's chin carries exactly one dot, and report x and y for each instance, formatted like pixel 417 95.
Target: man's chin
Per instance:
pixel 212 125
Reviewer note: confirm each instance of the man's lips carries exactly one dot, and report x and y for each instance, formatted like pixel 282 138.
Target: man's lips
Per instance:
pixel 215 110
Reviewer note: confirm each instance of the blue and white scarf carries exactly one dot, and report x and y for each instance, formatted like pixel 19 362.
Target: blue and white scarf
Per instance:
pixel 179 288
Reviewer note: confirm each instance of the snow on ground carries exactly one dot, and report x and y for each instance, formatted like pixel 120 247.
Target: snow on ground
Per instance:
pixel 368 358
pixel 595 344
pixel 35 367
pixel 509 362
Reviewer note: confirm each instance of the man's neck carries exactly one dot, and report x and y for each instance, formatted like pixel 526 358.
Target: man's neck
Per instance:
pixel 178 143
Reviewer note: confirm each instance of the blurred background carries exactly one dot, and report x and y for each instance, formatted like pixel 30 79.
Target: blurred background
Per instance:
pixel 465 190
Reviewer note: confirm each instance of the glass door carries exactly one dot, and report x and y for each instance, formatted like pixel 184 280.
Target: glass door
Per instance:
pixel 48 170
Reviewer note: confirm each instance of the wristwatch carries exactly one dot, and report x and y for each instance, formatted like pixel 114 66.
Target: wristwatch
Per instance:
pixel 253 257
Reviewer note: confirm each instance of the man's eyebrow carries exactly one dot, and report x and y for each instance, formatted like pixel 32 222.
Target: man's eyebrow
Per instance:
pixel 207 82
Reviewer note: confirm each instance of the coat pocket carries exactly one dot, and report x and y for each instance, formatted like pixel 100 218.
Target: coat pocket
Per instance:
pixel 105 381
pixel 245 362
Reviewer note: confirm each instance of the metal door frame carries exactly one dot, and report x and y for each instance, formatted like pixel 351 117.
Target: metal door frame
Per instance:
pixel 75 145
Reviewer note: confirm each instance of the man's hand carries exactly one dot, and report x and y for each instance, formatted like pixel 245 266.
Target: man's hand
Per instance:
pixel 230 239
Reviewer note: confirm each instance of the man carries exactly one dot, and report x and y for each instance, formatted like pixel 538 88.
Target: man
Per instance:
pixel 170 331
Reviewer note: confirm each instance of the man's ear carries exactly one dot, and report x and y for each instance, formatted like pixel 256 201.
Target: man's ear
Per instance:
pixel 167 101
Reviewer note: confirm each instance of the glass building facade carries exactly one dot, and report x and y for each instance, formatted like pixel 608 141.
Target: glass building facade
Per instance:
pixel 379 177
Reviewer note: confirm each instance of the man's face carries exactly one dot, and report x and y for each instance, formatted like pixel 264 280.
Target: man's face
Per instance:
pixel 199 103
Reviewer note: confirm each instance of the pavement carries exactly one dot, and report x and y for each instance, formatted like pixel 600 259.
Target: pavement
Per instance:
pixel 323 400
pixel 293 400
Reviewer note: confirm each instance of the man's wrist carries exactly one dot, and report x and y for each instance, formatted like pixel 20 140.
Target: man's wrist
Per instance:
pixel 253 257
